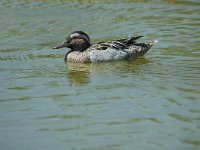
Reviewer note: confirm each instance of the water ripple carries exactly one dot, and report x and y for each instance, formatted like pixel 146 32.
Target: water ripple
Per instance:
pixel 146 102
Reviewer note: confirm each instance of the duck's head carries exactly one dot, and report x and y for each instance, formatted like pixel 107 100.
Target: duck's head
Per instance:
pixel 76 41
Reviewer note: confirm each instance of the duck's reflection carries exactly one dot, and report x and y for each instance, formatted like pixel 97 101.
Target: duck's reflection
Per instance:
pixel 79 73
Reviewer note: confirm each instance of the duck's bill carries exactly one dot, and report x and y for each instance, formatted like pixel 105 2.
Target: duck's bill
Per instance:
pixel 57 47
pixel 64 44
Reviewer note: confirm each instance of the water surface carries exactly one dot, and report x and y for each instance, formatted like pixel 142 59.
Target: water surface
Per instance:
pixel 146 103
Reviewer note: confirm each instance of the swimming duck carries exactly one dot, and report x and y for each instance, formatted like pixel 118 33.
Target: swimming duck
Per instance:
pixel 81 50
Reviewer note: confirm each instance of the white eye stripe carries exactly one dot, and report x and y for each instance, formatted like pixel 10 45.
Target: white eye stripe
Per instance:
pixel 74 35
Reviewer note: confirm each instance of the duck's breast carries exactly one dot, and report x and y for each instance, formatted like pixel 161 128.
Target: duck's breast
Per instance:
pixel 106 55
pixel 78 57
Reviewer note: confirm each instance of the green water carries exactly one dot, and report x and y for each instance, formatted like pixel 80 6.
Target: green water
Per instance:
pixel 146 103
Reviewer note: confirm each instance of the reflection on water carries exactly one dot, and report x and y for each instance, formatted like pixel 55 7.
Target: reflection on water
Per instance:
pixel 79 73
pixel 150 102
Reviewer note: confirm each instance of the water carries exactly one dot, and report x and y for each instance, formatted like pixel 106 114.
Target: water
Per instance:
pixel 146 103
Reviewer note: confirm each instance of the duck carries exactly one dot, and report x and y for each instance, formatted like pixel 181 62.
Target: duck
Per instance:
pixel 81 50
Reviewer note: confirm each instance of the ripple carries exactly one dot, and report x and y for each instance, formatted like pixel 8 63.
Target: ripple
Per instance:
pixel 194 110
pixel 20 88
pixel 191 141
pixel 182 118
pixel 135 120
pixel 129 101
pixel 64 116
pixel 10 50
pixel 57 129
pixel 32 56
pixel 172 100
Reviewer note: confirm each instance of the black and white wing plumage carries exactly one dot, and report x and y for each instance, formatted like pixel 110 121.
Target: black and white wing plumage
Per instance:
pixel 117 44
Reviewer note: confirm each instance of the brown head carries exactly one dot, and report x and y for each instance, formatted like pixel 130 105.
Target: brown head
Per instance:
pixel 76 41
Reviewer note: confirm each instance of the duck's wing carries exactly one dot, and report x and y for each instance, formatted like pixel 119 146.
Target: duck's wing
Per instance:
pixel 106 51
pixel 117 44
pixel 113 45
pixel 129 41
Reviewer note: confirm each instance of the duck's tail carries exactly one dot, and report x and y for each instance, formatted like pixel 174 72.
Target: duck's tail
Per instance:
pixel 151 43
pixel 139 49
